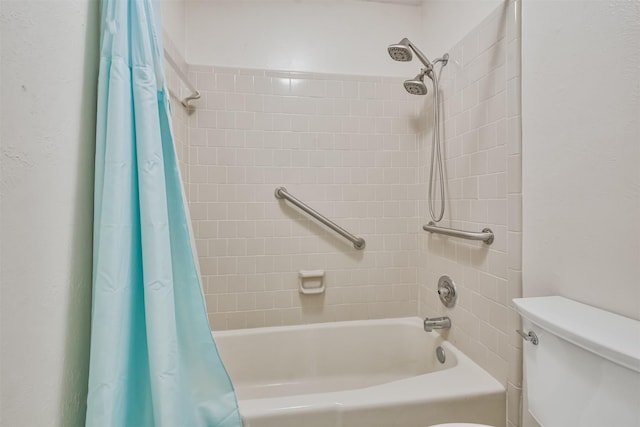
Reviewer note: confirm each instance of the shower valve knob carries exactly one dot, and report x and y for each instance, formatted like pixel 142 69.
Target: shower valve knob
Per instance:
pixel 447 291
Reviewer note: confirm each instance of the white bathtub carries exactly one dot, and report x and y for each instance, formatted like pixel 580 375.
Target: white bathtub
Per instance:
pixel 356 374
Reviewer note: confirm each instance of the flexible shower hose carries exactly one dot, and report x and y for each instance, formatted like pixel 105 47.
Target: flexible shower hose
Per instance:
pixel 436 156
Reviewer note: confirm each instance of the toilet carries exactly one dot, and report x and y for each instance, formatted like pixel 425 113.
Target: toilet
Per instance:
pixel 582 364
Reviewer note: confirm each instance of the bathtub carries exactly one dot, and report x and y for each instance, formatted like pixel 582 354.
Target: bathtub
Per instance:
pixel 356 374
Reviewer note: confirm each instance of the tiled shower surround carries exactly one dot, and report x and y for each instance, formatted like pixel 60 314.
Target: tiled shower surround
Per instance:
pixel 357 149
pixel 482 145
pixel 347 146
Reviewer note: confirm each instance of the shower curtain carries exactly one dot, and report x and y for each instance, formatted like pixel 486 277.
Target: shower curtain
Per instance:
pixel 153 360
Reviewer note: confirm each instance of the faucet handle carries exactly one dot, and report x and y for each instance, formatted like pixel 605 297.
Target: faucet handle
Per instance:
pixel 530 336
pixel 447 291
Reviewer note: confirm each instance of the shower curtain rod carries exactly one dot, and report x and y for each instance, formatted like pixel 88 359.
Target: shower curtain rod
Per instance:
pixel 195 93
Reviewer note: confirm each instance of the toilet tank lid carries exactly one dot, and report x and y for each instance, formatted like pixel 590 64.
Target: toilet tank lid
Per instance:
pixel 609 335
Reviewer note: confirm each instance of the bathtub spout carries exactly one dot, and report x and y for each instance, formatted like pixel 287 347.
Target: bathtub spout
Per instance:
pixel 436 323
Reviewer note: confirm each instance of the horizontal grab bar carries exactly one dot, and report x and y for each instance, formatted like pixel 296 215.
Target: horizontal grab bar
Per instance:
pixel 486 235
pixel 358 242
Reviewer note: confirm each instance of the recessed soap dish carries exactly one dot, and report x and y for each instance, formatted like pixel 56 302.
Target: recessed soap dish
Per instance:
pixel 311 282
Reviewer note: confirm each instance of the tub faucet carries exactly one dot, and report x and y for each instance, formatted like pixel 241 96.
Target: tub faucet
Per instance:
pixel 436 323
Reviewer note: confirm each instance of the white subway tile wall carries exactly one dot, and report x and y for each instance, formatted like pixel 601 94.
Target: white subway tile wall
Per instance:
pixel 482 149
pixel 345 145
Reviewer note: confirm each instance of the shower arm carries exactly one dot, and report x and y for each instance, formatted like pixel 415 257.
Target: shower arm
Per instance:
pixel 420 55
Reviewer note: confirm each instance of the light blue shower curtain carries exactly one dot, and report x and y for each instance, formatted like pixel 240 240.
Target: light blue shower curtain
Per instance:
pixel 153 360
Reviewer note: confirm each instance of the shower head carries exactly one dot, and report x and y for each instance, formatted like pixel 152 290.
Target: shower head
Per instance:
pixel 402 52
pixel 416 85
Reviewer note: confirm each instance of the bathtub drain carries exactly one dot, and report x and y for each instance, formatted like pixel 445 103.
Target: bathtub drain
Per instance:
pixel 440 354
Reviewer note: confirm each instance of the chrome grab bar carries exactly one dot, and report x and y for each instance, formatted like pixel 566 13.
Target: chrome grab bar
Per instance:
pixel 486 235
pixel 358 242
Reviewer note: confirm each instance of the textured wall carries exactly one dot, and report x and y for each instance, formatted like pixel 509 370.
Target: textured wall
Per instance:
pixel 582 151
pixel 345 145
pixel 482 145
pixel 49 77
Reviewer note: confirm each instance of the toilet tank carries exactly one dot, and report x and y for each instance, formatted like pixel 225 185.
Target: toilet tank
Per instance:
pixel 585 369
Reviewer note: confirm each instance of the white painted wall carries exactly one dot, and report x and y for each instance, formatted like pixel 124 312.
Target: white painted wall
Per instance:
pixel 49 75
pixel 446 22
pixel 581 158
pixel 347 37
pixel 328 36
pixel 174 21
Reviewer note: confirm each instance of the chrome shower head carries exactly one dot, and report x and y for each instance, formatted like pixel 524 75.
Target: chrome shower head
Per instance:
pixel 416 85
pixel 401 51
